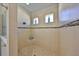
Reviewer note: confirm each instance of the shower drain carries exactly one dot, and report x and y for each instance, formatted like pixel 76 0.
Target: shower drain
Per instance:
pixel 34 55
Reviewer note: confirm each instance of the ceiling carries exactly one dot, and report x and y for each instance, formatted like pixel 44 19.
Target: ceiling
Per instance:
pixel 32 7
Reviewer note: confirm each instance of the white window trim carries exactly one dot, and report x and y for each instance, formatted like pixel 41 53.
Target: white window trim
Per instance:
pixel 37 21
pixel 46 18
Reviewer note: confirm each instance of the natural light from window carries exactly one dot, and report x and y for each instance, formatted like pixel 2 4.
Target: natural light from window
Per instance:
pixel 49 18
pixel 35 20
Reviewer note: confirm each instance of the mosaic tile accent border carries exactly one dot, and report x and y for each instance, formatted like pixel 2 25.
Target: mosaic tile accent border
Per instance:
pixel 73 23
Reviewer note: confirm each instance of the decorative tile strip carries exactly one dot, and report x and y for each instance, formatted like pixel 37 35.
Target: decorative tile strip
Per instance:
pixel 70 24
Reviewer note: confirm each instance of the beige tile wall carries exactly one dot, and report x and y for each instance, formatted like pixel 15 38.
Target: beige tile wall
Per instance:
pixel 69 41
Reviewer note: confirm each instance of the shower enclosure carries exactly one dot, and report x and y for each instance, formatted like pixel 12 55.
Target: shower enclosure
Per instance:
pixel 36 39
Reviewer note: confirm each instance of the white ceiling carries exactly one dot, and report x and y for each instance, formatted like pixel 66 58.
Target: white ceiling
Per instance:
pixel 37 6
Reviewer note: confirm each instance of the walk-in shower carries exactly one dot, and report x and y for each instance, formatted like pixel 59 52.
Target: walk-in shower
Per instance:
pixel 37 36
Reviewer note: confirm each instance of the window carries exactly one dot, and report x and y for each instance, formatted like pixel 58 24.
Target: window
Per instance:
pixel 49 18
pixel 35 20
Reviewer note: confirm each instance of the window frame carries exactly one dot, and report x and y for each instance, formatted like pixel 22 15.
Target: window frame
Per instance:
pixel 49 21
pixel 33 22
